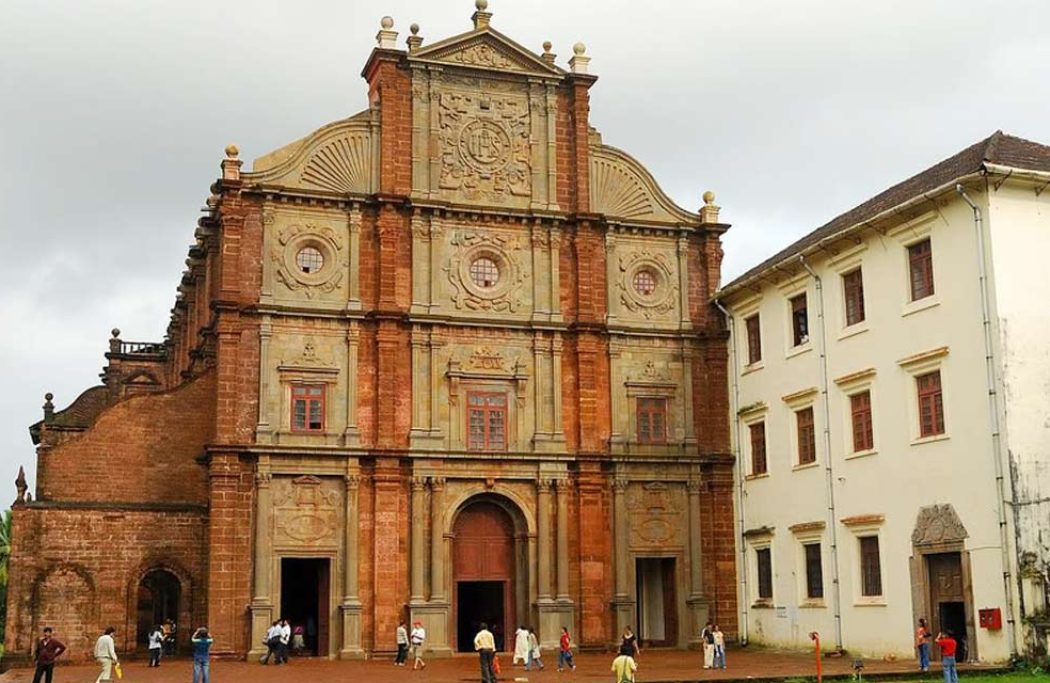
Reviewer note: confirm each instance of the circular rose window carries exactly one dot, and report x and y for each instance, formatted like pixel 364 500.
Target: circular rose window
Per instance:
pixel 484 272
pixel 645 282
pixel 309 260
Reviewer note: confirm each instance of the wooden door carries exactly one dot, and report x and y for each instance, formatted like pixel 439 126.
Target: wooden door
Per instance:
pixel 946 586
pixel 483 550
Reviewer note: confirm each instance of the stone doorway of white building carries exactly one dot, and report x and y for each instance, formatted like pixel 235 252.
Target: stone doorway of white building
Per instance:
pixel 305 596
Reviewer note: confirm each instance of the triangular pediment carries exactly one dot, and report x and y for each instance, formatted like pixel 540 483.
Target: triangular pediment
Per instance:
pixel 486 49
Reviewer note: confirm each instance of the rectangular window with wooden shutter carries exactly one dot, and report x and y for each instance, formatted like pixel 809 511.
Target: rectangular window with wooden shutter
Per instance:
pixel 758 448
pixel 853 292
pixel 931 404
pixel 754 339
pixel 814 571
pixel 920 269
pixel 870 567
pixel 860 413
pixel 799 320
pixel 807 438
pixel 764 564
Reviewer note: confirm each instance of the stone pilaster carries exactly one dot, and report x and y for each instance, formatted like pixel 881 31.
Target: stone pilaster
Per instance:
pixel 351 607
pixel 419 515
pixel 623 605
pixel 436 612
pixel 262 604
pixel 563 489
pixel 698 607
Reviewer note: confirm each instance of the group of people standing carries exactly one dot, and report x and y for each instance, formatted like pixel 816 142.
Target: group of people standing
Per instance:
pixel 411 641
pixel 945 640
pixel 527 648
pixel 278 640
pixel 714 642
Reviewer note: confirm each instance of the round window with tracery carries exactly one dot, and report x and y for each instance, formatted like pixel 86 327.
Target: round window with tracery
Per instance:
pixel 484 272
pixel 309 260
pixel 645 282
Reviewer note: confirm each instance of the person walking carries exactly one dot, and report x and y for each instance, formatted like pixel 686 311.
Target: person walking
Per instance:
pixel 418 636
pixel 922 645
pixel 946 641
pixel 156 645
pixel 272 641
pixel 521 645
pixel 106 655
pixel 629 643
pixel 565 650
pixel 624 667
pixel 298 640
pixel 485 645
pixel 45 652
pixel 534 652
pixel 707 639
pixel 720 648
pixel 401 638
pixel 201 654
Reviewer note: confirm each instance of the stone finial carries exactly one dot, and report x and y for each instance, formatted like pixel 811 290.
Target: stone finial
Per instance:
pixel 386 39
pixel 114 340
pixel 414 40
pixel 709 211
pixel 21 486
pixel 49 407
pixel 548 56
pixel 231 165
pixel 579 62
pixel 29 496
pixel 482 18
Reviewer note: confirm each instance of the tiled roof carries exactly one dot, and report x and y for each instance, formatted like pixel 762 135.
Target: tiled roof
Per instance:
pixel 999 148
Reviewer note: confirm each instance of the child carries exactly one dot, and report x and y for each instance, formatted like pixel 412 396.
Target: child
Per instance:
pixel 565 653
pixel 720 648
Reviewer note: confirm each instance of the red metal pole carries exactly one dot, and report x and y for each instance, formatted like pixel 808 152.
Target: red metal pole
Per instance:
pixel 815 637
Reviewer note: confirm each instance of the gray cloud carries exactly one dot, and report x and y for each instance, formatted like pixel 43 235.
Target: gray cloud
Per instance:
pixel 113 117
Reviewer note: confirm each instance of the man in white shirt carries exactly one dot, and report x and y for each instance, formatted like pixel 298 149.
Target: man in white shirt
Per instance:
pixel 286 637
pixel 419 634
pixel 271 640
pixel 106 655
pixel 485 645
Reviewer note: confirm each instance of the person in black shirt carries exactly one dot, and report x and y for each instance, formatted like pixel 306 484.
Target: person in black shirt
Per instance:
pixel 629 644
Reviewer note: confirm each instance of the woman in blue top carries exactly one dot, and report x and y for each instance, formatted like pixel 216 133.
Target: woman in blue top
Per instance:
pixel 201 647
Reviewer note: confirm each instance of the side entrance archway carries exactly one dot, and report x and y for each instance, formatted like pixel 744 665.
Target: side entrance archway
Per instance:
pixel 159 593
pixel 489 570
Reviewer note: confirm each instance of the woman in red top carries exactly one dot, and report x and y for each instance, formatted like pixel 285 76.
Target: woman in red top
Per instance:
pixel 946 642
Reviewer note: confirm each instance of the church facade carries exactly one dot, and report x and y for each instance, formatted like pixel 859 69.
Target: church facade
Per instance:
pixel 451 359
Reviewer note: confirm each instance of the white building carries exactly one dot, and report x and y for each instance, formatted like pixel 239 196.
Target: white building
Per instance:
pixel 891 399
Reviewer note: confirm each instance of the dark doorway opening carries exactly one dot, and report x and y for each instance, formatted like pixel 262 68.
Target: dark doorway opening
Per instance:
pixel 953 618
pixel 305 600
pixel 480 602
pixel 158 600
pixel 657 601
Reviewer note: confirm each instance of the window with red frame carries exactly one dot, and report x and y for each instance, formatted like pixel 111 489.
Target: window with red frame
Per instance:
pixel 860 410
pixel 652 420
pixel 931 404
pixel 487 421
pixel 807 438
pixel 308 407
pixel 758 448
pixel 920 268
pixel 853 291
pixel 754 339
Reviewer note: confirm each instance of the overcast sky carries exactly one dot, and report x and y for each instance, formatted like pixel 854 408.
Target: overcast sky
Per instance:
pixel 114 115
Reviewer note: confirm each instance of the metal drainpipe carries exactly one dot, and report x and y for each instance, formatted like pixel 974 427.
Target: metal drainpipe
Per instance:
pixel 738 475
pixel 829 474
pixel 993 410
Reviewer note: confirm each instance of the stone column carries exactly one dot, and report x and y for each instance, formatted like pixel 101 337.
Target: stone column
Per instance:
pixel 623 605
pixel 263 433
pixel 419 493
pixel 697 603
pixel 262 605
pixel 543 540
pixel 563 540
pixel 351 607
pixel 683 283
pixel 351 435
pixel 437 539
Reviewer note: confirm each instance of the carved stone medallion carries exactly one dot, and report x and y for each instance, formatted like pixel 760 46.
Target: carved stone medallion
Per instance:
pixel 938 524
pixel 294 238
pixel 306 511
pixel 656 514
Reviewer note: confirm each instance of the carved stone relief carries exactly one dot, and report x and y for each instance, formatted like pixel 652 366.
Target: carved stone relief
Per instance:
pixel 341 165
pixel 504 251
pixel 656 514
pixel 660 270
pixel 484 144
pixel 307 511
pixel 294 238
pixel 938 524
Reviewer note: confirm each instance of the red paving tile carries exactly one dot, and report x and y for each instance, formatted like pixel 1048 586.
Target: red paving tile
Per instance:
pixel 653 666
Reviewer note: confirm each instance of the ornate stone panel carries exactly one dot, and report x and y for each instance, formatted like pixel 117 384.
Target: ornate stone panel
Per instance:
pixel 307 511
pixel 483 130
pixel 938 524
pixel 657 515
pixel 658 298
pixel 507 252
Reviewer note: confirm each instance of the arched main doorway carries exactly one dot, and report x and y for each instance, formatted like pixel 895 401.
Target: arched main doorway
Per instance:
pixel 158 599
pixel 488 570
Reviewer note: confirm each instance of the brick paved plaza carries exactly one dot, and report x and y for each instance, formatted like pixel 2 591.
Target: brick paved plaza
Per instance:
pixel 654 665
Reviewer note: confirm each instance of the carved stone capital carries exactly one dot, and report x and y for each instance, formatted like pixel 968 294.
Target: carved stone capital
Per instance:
pixel 543 484
pixel 620 485
pixel 263 479
pixel 353 481
pixel 437 484
pixel 419 484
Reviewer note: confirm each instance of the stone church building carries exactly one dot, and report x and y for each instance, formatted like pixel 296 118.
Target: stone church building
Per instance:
pixel 449 359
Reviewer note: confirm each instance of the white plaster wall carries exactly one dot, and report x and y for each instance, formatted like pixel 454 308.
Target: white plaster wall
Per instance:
pixel 900 476
pixel 1019 226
